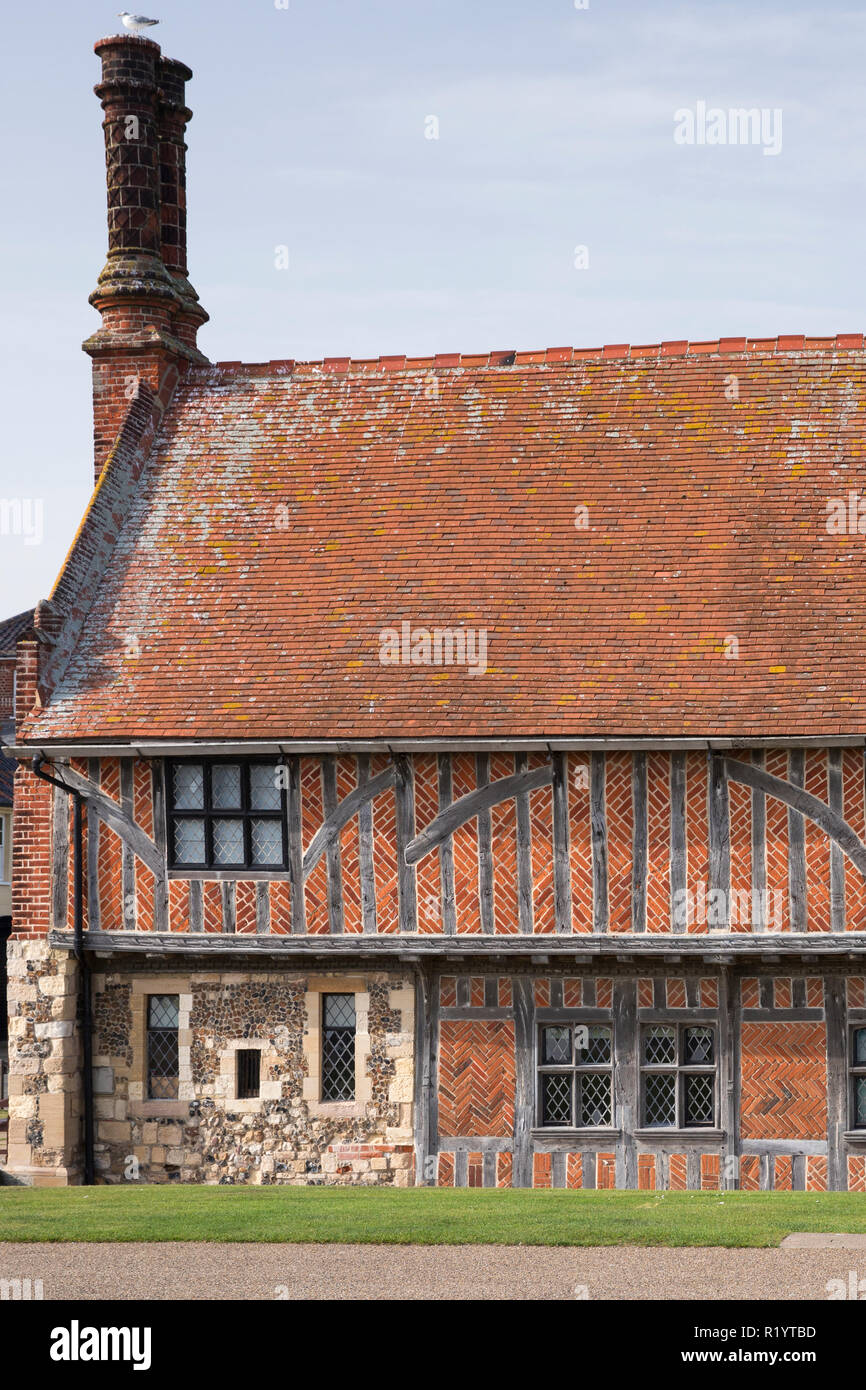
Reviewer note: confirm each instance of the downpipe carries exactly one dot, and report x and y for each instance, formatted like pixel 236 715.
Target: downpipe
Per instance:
pixel 86 982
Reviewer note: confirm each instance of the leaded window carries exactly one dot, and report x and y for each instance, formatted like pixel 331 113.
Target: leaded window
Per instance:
pixel 575 1075
pixel 338 1047
pixel 163 1069
pixel 678 1076
pixel 858 1078
pixel 226 814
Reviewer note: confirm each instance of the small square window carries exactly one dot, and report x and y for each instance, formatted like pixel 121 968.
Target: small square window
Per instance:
pixel 248 1073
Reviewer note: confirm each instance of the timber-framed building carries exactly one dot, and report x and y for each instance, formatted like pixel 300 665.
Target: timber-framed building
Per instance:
pixel 440 771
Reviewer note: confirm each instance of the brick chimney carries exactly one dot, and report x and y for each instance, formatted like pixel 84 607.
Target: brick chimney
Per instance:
pixel 150 312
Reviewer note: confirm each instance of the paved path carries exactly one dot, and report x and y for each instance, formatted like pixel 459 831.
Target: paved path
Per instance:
pixel 203 1271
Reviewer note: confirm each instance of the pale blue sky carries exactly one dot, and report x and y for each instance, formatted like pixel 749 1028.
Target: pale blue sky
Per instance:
pixel 556 130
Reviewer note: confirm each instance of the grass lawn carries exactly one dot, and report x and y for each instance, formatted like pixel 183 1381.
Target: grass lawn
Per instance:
pixel 422 1216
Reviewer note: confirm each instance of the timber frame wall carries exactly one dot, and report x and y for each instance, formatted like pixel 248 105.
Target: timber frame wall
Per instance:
pixel 523 888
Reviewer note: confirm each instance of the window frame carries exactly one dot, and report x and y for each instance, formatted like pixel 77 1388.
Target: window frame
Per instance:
pixel 680 1070
pixel 576 1069
pixel 208 813
pixel 243 1084
pixel 854 1071
pixel 323 998
pixel 149 1030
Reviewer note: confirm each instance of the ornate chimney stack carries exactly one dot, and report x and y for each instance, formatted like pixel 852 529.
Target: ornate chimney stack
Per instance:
pixel 150 312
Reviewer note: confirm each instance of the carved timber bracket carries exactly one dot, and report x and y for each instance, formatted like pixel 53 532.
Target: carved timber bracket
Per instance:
pixel 469 806
pixel 808 805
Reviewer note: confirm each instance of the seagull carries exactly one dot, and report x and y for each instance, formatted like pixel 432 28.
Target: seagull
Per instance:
pixel 136 22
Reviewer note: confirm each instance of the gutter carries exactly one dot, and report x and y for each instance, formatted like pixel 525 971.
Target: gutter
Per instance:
pixel 86 990
pixel 192 747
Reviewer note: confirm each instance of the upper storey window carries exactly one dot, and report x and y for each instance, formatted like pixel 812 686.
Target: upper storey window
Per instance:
pixel 226 814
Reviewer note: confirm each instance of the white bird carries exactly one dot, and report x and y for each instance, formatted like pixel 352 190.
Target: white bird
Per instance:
pixel 136 22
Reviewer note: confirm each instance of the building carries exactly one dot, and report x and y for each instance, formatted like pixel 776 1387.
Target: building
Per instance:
pixel 441 771
pixel 10 631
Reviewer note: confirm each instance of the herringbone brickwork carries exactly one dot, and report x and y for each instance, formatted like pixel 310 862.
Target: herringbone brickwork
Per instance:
pixel 776 763
pixel 619 822
pixel 697 832
pixel 817 846
pixel 677 1173
pixel 580 841
pixel 445 1170
pixel 426 810
pixel 620 829
pixel 658 891
pixel 856 1173
pixel 465 848
pixel 783 1177
pixel 312 813
pixel 816 1173
pixel 784 1081
pixel 854 812
pixel 503 832
pixel 476 1078
pixel 541 822
pixel 350 857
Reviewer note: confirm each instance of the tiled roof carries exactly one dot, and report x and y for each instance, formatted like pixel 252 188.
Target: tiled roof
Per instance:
pixel 642 533
pixel 13 628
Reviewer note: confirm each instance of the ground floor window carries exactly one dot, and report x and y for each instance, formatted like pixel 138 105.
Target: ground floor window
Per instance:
pixel 575 1075
pixel 678 1075
pixel 338 1047
pixel 858 1078
pixel 163 1068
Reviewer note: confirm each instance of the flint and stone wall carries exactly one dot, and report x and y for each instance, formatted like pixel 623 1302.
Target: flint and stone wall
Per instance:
pixel 207 1135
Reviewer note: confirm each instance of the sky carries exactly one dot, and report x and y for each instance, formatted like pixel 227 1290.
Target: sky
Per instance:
pixel 446 177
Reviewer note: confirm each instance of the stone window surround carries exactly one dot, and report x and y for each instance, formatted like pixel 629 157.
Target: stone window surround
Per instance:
pixel 226 1090
pixel 139 1103
pixel 318 985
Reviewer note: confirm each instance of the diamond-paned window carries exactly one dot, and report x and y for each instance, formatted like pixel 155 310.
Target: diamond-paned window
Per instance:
pixel 660 1047
pixel 228 841
pixel 188 786
pixel 338 1047
pixel 698 1046
pixel 265 787
pixel 556 1045
pixel 660 1099
pixel 188 841
pixel 575 1076
pixel 556 1089
pixel 699 1099
pixel 678 1076
pixel 858 1078
pixel 227 814
pixel 226 786
pixel 163 1068
pixel 593 1098
pixel 267 841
